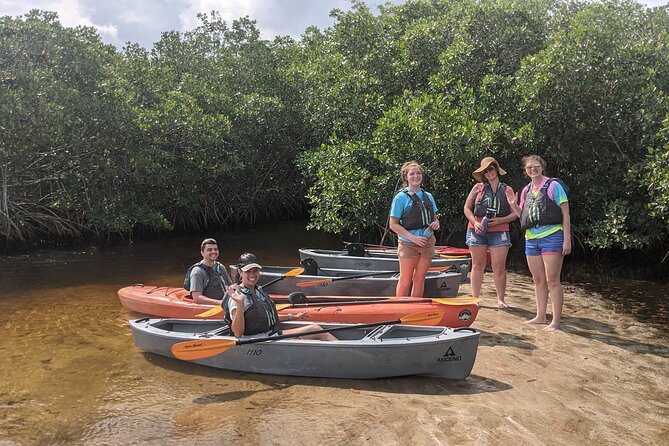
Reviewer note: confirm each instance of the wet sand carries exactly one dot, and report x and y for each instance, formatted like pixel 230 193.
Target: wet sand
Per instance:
pixel 602 380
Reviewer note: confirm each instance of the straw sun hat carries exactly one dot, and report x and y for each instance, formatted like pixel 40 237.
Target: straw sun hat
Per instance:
pixel 485 163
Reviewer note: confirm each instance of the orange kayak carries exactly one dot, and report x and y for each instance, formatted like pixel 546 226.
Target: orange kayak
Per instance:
pixel 439 250
pixel 170 302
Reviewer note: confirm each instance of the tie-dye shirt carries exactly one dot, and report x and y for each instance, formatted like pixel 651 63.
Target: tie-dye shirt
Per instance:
pixel 556 193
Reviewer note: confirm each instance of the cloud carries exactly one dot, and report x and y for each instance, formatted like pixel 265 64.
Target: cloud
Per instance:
pixel 273 17
pixel 71 13
pixel 143 21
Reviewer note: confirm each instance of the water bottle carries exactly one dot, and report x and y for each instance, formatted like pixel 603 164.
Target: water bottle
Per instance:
pixel 428 232
pixel 485 222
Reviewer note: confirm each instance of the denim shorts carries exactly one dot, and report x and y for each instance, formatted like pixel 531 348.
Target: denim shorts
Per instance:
pixel 551 244
pixel 489 239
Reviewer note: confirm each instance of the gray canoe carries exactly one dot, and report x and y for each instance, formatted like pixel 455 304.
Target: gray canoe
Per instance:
pixel 437 284
pixel 361 353
pixel 375 261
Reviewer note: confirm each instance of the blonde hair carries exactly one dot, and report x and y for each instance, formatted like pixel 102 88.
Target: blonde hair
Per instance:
pixel 404 170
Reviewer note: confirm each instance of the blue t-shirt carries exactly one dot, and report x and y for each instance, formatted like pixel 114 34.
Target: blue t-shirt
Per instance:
pixel 402 202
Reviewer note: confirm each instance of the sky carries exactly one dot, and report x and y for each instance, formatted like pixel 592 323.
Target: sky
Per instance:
pixel 143 21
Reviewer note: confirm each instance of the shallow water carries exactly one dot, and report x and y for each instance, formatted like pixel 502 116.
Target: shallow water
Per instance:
pixel 71 373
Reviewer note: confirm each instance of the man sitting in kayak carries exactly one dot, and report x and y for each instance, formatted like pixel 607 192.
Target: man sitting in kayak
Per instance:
pixel 208 279
pixel 259 315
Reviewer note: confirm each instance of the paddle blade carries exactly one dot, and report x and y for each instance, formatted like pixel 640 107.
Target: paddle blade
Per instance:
pixel 438 269
pixel 450 256
pixel 457 301
pixel 314 283
pixel 294 272
pixel 209 313
pixel 280 307
pixel 425 318
pixel 204 348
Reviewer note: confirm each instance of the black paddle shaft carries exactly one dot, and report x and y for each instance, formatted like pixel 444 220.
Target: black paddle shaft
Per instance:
pixel 308 333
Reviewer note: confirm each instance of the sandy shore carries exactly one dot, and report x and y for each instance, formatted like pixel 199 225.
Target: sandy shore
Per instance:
pixel 602 380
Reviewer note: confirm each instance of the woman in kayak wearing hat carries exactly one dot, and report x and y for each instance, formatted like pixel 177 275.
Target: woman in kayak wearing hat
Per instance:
pixel 259 314
pixel 413 217
pixel 488 213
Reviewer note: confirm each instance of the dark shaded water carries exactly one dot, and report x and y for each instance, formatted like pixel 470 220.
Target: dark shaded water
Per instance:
pixel 71 374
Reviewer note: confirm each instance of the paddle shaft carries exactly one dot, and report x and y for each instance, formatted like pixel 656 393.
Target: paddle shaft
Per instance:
pixel 442 301
pixel 438 249
pixel 272 282
pixel 203 348
pixel 368 302
pixel 359 276
pixel 309 333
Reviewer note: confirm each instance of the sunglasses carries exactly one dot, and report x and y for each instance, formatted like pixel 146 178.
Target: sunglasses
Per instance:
pixel 489 169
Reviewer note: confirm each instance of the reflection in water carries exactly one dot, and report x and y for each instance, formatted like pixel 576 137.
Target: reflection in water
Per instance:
pixel 71 373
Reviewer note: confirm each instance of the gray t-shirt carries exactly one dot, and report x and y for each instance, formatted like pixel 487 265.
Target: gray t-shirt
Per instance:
pixel 212 288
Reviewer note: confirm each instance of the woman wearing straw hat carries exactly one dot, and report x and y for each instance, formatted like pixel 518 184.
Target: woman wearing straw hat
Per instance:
pixel 488 213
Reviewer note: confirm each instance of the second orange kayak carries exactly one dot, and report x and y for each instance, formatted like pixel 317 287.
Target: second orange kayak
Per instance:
pixel 170 302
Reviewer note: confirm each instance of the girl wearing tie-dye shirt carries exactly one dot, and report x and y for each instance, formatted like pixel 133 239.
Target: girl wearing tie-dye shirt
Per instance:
pixel 544 214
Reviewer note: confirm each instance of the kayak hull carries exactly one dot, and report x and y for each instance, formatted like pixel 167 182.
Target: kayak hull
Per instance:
pixel 169 302
pixel 359 353
pixel 437 284
pixel 374 261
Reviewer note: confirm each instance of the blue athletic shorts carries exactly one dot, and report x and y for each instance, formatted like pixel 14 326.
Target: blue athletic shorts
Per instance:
pixel 489 239
pixel 551 244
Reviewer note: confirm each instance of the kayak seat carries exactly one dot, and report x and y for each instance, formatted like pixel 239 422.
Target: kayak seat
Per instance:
pixel 310 266
pixel 297 298
pixel 355 250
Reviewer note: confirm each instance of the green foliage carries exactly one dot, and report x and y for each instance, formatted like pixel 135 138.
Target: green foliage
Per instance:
pixel 346 170
pixel 657 170
pixel 217 126
pixel 583 84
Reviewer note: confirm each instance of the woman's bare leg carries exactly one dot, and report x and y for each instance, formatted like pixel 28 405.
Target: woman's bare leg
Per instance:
pixel 419 274
pixel 498 263
pixel 478 254
pixel 553 266
pixel 407 268
pixel 536 265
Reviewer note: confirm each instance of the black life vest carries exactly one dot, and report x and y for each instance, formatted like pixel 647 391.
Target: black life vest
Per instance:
pixel 420 214
pixel 216 279
pixel 260 316
pixel 492 204
pixel 539 210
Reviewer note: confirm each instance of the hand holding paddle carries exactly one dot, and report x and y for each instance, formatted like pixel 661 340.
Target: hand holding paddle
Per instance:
pixel 204 348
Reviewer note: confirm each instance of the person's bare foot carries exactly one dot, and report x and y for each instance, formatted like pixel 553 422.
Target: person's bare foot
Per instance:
pixel 502 305
pixel 536 320
pixel 552 328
